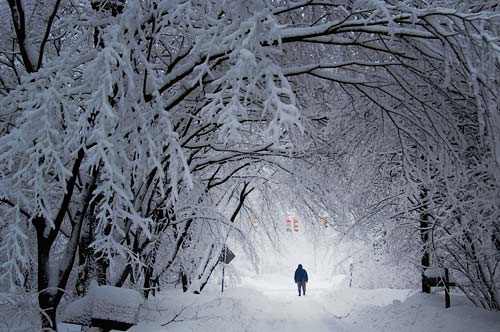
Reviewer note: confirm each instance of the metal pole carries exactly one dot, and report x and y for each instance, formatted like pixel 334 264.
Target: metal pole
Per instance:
pixel 350 274
pixel 222 290
pixel 224 253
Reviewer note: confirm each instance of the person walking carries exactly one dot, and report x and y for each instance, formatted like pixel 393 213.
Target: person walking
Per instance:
pixel 301 279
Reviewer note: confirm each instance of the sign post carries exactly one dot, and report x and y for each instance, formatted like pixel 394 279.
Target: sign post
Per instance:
pixel 351 267
pixel 222 289
pixel 226 256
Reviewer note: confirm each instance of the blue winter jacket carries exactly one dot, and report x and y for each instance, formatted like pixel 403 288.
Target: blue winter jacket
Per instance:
pixel 300 275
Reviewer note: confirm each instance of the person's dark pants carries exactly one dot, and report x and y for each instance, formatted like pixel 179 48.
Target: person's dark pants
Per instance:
pixel 302 285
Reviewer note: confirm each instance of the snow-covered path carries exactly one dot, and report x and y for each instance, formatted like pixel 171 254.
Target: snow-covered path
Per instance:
pixel 291 315
pixel 276 306
pixel 282 310
pixel 270 303
pixel 258 304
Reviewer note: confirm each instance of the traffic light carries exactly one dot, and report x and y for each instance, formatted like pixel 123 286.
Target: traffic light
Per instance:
pixel 289 224
pixel 296 224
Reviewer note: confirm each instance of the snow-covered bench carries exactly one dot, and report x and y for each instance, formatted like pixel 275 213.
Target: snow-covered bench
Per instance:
pixel 440 277
pixel 106 307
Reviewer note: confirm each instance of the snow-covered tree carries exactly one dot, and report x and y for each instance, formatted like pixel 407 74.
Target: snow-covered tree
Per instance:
pixel 124 121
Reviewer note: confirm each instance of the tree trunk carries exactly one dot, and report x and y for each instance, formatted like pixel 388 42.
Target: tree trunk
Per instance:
pixel 424 234
pixel 46 297
pixel 52 279
pixel 48 306
pixel 150 283
pixel 86 260
pixel 184 281
pixel 208 273
pixel 206 265
pixel 86 253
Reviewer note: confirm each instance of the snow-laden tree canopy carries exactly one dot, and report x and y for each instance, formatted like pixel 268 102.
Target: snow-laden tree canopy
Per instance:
pixel 133 131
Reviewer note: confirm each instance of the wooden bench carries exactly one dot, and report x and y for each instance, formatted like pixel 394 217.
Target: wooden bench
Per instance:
pixel 107 307
pixel 439 277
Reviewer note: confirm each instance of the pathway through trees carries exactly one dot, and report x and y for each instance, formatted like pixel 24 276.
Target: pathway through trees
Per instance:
pixel 269 303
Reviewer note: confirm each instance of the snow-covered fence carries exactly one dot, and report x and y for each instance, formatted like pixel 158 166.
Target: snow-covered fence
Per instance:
pixel 440 277
pixel 106 307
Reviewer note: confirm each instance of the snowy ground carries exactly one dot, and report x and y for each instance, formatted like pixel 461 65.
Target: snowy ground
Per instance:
pixel 270 303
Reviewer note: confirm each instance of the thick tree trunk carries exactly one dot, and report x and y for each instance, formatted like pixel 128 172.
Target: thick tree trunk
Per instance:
pixel 46 297
pixel 48 306
pixel 52 279
pixel 49 295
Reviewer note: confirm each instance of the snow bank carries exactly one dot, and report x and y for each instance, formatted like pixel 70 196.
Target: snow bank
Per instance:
pixel 425 312
pixel 104 303
pixel 117 304
pixel 78 312
pixel 343 301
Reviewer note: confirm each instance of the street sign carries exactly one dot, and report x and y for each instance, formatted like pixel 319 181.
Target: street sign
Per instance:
pixel 226 255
